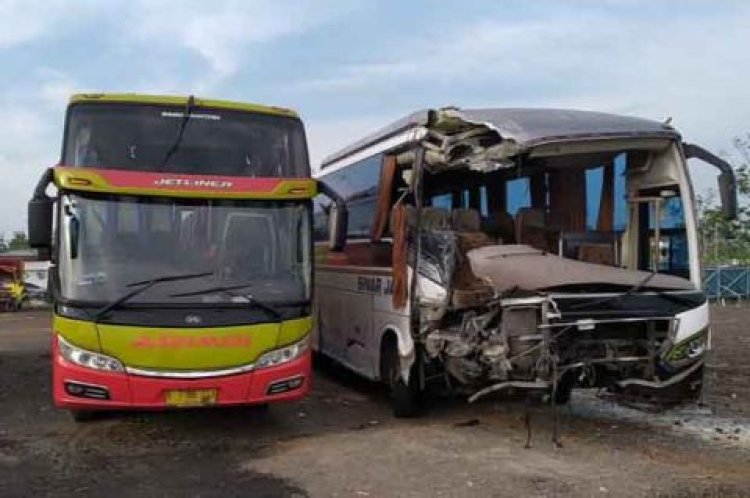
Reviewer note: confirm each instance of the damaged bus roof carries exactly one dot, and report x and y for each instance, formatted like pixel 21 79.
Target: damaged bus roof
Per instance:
pixel 517 130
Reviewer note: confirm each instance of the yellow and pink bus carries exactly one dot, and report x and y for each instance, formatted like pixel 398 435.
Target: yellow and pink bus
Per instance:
pixel 179 231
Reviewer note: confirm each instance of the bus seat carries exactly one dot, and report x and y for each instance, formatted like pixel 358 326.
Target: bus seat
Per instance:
pixel 435 218
pixel 532 229
pixel 467 225
pixel 432 218
pixel 465 220
pixel 501 226
pixel 245 249
pixel 468 290
pixel 601 254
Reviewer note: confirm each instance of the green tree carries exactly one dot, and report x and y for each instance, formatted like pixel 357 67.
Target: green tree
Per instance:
pixel 3 245
pixel 727 241
pixel 19 241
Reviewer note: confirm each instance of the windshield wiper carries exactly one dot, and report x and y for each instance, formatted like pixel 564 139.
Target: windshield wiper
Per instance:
pixel 228 289
pixel 142 286
pixel 180 132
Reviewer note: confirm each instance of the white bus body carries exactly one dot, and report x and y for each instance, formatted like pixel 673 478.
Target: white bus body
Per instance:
pixel 555 249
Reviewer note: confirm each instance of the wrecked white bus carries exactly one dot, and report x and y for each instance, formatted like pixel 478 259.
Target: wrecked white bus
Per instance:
pixel 553 249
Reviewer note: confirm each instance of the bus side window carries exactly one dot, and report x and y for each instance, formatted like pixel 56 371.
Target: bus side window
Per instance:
pixel 465 199
pixel 594 191
pixel 444 201
pixel 359 184
pixel 518 194
pixel 484 209
pixel 621 207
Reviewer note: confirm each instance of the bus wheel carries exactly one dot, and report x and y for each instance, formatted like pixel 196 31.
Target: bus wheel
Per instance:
pixel 564 388
pixel 82 416
pixel 563 392
pixel 406 397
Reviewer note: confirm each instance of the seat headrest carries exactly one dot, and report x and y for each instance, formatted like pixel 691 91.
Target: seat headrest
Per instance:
pixel 466 220
pixel 436 218
pixel 432 217
pixel 531 217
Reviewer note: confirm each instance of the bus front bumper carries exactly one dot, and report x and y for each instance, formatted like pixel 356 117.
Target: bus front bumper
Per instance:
pixel 79 388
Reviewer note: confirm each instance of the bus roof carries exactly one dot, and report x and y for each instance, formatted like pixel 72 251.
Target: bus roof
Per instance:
pixel 526 127
pixel 178 100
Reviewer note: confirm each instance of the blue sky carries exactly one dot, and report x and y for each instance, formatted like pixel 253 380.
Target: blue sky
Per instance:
pixel 351 66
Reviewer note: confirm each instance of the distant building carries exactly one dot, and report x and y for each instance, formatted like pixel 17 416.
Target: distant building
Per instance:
pixel 35 272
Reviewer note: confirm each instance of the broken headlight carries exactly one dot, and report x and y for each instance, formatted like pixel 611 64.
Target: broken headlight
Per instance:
pixel 689 349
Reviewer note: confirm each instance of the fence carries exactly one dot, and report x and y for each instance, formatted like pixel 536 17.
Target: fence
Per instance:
pixel 727 282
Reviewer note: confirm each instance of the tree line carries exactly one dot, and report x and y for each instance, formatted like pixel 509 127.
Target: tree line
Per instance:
pixel 16 242
pixel 727 242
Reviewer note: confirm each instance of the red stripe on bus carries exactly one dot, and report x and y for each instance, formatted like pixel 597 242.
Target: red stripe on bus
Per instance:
pixel 132 179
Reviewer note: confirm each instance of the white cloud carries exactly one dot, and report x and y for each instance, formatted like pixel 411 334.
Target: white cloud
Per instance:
pixel 56 88
pixel 694 69
pixel 23 21
pixel 29 145
pixel 223 33
pixel 30 136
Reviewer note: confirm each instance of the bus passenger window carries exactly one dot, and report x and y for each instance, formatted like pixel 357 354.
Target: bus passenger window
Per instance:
pixel 359 184
pixel 444 201
pixel 518 195
pixel 594 189
pixel 621 208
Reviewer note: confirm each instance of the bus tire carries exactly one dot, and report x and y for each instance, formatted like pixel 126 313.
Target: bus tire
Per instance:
pixel 564 389
pixel 406 397
pixel 83 416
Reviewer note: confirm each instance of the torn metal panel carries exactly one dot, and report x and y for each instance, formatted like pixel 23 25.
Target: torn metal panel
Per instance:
pixel 489 139
pixel 531 127
pixel 515 266
pixel 453 141
pixel 486 139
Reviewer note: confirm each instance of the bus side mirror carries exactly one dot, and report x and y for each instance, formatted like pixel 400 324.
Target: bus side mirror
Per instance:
pixel 338 218
pixel 727 181
pixel 728 194
pixel 338 221
pixel 40 223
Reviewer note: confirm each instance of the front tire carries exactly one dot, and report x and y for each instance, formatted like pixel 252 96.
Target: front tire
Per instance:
pixel 564 388
pixel 406 396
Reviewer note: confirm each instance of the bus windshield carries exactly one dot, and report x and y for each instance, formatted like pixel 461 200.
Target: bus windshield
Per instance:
pixel 216 141
pixel 259 248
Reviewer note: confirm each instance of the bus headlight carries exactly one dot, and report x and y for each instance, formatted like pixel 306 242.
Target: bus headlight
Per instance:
pixel 283 355
pixel 88 359
pixel 690 348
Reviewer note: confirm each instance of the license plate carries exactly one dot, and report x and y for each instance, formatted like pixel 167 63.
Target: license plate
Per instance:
pixel 191 397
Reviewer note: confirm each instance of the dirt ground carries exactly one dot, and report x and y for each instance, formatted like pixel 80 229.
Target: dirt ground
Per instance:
pixel 342 440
